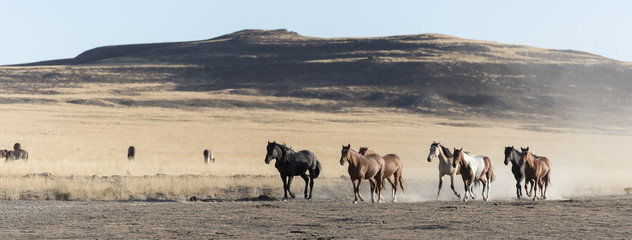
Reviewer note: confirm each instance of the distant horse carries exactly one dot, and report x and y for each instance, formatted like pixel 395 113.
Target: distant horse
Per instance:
pixel 131 152
pixel 392 170
pixel 208 156
pixel 290 164
pixel 474 170
pixel 537 170
pixel 445 165
pixel 514 156
pixel 361 168
pixel 17 153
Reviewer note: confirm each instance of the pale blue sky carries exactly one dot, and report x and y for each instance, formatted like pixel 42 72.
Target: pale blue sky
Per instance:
pixel 43 30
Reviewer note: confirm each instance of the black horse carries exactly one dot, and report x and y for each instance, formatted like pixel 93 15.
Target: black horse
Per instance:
pixel 131 153
pixel 290 164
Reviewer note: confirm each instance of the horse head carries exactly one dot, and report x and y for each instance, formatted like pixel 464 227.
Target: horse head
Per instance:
pixel 458 156
pixel 508 152
pixel 345 154
pixel 525 154
pixel 434 152
pixel 273 152
pixel 363 150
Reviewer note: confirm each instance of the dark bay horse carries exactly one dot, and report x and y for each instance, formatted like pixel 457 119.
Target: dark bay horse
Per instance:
pixel 361 168
pixel 208 156
pixel 392 170
pixel 474 170
pixel 445 165
pixel 537 170
pixel 131 153
pixel 17 153
pixel 290 164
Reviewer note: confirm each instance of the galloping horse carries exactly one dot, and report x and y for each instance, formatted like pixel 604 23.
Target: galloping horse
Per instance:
pixel 445 165
pixel 208 156
pixel 392 170
pixel 360 168
pixel 474 170
pixel 17 153
pixel 537 170
pixel 290 164
pixel 513 155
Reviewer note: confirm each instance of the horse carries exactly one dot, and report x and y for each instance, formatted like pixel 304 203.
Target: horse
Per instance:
pixel 17 153
pixel 392 170
pixel 474 170
pixel 368 167
pixel 514 156
pixel 445 165
pixel 208 156
pixel 131 152
pixel 537 170
pixel 290 164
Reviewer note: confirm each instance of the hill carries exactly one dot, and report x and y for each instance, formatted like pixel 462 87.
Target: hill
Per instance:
pixel 427 73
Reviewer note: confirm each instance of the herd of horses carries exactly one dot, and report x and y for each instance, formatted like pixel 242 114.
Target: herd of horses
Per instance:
pixel 16 154
pixel 365 164
pixel 368 165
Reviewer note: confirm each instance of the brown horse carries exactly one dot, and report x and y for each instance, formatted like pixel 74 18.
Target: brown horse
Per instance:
pixel 537 171
pixel 474 170
pixel 360 168
pixel 392 170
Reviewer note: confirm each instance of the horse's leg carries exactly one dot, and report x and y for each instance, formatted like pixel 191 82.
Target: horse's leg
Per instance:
pixel 304 176
pixel 373 188
pixel 452 186
pixel 441 183
pixel 355 191
pixel 518 188
pixel 358 189
pixel 535 186
pixel 393 186
pixel 541 185
pixel 289 183
pixel 484 188
pixel 284 187
pixel 467 190
pixel 311 187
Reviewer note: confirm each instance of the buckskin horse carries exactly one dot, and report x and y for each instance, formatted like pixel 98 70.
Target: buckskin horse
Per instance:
pixel 361 168
pixel 392 170
pixel 445 165
pixel 537 170
pixel 290 164
pixel 474 170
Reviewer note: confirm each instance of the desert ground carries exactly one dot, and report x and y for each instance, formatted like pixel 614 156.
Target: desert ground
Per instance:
pixel 77 152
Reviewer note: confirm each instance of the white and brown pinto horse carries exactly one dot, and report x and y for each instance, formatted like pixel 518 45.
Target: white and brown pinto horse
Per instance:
pixel 363 167
pixel 537 170
pixel 445 165
pixel 393 167
pixel 474 170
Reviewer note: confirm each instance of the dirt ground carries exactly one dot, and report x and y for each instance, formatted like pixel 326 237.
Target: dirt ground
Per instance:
pixel 322 219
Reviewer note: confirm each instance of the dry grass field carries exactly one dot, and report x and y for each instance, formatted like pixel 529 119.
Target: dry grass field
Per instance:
pixel 78 152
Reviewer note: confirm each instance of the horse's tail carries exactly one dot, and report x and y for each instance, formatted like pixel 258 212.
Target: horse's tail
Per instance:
pixel 401 182
pixel 318 168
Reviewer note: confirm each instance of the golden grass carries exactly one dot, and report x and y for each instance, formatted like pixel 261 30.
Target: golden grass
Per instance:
pixel 84 149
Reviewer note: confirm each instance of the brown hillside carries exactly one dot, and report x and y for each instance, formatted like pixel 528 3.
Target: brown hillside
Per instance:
pixel 428 73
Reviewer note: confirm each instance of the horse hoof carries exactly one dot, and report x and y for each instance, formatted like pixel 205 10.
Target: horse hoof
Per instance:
pixel 464 200
pixel 355 202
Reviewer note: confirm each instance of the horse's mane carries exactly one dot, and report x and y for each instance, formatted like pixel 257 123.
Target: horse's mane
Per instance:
pixel 287 151
pixel 446 151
